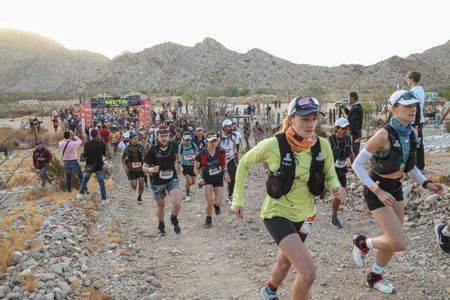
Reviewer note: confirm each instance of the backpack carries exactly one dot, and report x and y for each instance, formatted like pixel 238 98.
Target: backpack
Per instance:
pixel 280 182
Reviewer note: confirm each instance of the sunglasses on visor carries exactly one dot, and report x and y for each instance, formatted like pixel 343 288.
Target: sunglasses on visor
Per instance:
pixel 303 103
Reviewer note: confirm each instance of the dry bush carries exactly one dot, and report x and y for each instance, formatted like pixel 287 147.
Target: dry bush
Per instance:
pixel 437 176
pixel 96 243
pixel 20 226
pixel 29 282
pixel 76 284
pixel 26 136
pixel 113 238
pixel 124 252
pixel 94 294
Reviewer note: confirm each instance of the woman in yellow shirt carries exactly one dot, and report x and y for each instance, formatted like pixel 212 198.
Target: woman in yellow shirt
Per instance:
pixel 289 218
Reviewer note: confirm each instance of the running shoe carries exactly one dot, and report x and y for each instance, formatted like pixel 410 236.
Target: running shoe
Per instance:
pixel 442 240
pixel 188 198
pixel 335 222
pixel 145 186
pixel 208 222
pixel 377 281
pixel 105 202
pixel 176 229
pixel 174 221
pixel 139 199
pixel 360 250
pixel 229 200
pixel 162 231
pixel 79 196
pixel 216 209
pixel 267 294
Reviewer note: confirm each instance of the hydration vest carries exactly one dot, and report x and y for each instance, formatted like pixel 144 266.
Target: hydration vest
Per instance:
pixel 392 162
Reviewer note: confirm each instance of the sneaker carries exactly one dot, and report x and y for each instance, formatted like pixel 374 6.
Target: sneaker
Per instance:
pixel 442 240
pixel 208 222
pixel 79 196
pixel 176 229
pixel 359 250
pixel 188 198
pixel 229 200
pixel 267 294
pixel 139 199
pixel 216 209
pixel 162 231
pixel 377 281
pixel 105 202
pixel 335 222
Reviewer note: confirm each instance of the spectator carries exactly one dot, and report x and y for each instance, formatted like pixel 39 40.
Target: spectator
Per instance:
pixel 259 132
pixel 41 160
pixel 413 79
pixel 355 118
pixel 69 146
pixel 55 123
pixel 94 151
pixel 247 129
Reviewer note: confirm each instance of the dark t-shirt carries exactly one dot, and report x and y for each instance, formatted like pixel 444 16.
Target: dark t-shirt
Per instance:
pixel 165 159
pixel 213 170
pixel 94 152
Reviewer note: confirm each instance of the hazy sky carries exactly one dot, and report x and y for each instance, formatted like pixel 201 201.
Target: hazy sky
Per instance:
pixel 314 32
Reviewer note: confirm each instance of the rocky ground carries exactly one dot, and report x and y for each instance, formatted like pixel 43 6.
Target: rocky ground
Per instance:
pixel 82 250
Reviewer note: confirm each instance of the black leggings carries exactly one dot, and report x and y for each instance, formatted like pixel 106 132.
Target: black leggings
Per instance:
pixel 232 172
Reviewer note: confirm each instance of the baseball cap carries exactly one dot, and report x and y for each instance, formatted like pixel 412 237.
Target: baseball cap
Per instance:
pixel 132 134
pixel 227 122
pixel 403 97
pixel 126 135
pixel 39 142
pixel 186 137
pixel 211 137
pixel 342 122
pixel 303 106
pixel 199 129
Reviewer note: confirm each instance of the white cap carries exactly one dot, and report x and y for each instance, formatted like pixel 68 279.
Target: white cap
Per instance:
pixel 403 97
pixel 227 122
pixel 341 122
pixel 126 135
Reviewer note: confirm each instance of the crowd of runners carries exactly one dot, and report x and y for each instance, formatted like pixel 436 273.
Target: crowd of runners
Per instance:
pixel 299 166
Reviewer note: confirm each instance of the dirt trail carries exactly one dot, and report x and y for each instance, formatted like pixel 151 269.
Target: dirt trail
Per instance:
pixel 233 258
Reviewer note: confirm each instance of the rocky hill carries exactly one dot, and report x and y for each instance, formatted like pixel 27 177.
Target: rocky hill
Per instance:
pixel 32 63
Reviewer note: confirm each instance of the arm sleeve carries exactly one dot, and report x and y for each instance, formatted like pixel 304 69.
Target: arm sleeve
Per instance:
pixel 358 166
pixel 256 155
pixel 417 175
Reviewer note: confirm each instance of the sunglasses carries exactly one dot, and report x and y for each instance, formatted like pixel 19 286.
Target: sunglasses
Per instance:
pixel 304 103
pixel 163 131
pixel 407 96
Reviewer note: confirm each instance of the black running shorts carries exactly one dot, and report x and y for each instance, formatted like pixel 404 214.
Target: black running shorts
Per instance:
pixel 188 170
pixel 392 186
pixel 135 175
pixel 280 227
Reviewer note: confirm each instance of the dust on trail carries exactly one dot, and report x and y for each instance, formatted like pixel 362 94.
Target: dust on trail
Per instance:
pixel 233 258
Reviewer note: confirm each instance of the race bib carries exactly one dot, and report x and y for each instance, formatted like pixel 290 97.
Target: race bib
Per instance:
pixel 189 156
pixel 215 171
pixel 340 164
pixel 166 174
pixel 136 165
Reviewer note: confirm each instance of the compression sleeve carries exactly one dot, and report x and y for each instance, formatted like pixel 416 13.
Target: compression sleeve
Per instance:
pixel 358 166
pixel 417 175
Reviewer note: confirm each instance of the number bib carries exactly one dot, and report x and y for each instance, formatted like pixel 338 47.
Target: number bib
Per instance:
pixel 189 157
pixel 340 164
pixel 215 171
pixel 166 174
pixel 136 165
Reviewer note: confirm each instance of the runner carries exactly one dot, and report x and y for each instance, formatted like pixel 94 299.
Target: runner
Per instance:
pixel 392 152
pixel 210 168
pixel 146 146
pixel 114 138
pixel 186 156
pixel 125 141
pixel 341 144
pixel 227 141
pixel 199 138
pixel 160 161
pixel 289 212
pixel 132 159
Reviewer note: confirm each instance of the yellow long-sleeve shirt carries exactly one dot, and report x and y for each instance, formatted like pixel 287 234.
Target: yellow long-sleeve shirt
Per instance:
pixel 298 204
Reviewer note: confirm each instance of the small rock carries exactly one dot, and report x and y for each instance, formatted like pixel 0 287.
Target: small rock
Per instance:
pixel 175 252
pixel 49 296
pixel 153 281
pixel 58 234
pixel 58 269
pixel 154 296
pixel 16 257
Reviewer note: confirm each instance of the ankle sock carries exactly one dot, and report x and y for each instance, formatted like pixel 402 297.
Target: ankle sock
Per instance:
pixel 174 220
pixel 271 286
pixel 446 232
pixel 377 269
pixel 369 243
